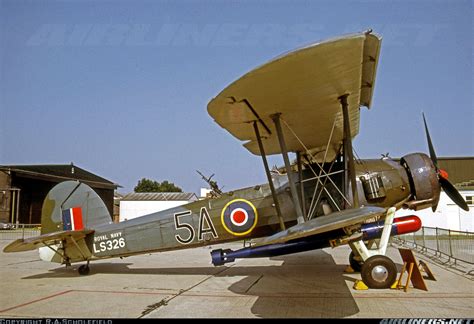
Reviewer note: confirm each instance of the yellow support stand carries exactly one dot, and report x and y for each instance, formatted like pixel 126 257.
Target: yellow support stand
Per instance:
pixel 424 268
pixel 399 284
pixel 414 274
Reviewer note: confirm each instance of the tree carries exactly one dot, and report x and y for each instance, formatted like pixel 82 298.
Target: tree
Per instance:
pixel 147 185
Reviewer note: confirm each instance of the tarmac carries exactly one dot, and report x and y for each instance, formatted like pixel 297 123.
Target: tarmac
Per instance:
pixel 184 284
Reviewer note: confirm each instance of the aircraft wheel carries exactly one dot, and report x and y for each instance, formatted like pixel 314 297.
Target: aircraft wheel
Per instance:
pixel 379 272
pixel 84 270
pixel 355 264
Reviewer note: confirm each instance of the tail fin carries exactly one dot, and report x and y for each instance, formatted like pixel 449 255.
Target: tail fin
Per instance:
pixel 71 211
pixel 72 205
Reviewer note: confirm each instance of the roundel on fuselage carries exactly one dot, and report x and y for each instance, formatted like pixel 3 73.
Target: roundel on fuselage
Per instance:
pixel 239 217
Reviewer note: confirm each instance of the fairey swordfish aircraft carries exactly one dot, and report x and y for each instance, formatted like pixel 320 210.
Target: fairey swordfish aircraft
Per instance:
pixel 308 102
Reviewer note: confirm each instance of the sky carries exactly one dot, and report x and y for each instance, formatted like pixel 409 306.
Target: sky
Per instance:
pixel 120 88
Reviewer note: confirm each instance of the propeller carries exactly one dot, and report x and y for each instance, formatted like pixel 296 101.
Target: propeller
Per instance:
pixel 448 188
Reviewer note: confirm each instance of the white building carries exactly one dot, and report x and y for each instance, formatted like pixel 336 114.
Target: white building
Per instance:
pixel 205 192
pixel 136 204
pixel 448 215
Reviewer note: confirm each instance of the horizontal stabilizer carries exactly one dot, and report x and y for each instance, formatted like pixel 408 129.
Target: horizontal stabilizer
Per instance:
pixel 323 224
pixel 33 243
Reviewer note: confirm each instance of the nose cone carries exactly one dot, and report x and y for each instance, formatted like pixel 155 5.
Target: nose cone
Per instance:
pixel 407 224
pixel 443 174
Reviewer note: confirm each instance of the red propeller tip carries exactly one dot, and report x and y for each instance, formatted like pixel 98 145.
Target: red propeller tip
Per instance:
pixel 443 174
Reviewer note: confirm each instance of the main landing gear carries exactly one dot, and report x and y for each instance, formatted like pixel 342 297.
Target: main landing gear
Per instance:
pixel 377 270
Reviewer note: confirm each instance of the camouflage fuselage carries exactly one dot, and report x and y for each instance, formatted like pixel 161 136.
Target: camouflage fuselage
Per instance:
pixel 204 222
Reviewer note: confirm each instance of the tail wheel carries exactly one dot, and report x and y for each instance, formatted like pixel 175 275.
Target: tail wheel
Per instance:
pixel 84 270
pixel 379 272
pixel 355 264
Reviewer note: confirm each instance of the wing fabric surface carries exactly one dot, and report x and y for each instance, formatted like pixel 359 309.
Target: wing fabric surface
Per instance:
pixel 323 224
pixel 33 243
pixel 303 86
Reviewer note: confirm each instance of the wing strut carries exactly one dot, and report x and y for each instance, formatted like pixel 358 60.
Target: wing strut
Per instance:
pixel 320 167
pixel 269 176
pixel 348 156
pixel 284 153
pixel 314 203
pixel 318 177
pixel 300 176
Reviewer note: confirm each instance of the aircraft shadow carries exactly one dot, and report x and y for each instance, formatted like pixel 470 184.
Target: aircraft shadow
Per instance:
pixel 308 284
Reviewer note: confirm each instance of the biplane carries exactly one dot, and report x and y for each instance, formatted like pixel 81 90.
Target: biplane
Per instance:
pixel 306 102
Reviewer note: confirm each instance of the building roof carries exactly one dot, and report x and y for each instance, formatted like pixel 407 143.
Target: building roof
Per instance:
pixel 58 173
pixel 460 170
pixel 160 196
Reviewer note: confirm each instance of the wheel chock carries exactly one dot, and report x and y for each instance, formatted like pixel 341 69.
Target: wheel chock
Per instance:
pixel 360 285
pixel 395 285
pixel 349 269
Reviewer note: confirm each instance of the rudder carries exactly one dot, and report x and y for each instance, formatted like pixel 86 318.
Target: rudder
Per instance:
pixel 73 205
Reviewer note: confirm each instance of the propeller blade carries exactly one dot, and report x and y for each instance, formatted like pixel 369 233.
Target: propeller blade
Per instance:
pixel 430 144
pixel 453 193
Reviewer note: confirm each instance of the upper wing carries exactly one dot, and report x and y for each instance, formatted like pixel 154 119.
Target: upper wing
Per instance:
pixel 33 243
pixel 323 224
pixel 304 86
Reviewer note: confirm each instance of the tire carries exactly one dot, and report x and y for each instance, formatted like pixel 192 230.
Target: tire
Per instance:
pixel 379 272
pixel 84 270
pixel 355 264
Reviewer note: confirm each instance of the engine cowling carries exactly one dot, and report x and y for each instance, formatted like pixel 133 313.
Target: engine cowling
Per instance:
pixel 424 184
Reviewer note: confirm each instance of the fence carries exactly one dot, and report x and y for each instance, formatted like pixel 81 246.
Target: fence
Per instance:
pixel 453 244
pixel 20 231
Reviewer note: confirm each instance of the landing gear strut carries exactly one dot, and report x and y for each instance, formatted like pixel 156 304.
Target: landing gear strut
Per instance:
pixel 377 270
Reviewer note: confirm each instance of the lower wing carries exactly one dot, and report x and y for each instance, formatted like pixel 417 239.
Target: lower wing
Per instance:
pixel 323 224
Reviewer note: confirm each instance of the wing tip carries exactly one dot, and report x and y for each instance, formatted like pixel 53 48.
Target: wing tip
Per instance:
pixel 18 245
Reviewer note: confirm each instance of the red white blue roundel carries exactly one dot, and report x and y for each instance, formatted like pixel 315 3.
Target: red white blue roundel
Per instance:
pixel 239 217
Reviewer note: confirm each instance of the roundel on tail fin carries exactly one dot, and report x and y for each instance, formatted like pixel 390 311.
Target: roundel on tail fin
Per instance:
pixel 72 205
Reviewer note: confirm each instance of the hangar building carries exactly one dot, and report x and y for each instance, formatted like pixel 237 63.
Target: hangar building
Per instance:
pixel 24 187
pixel 139 204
